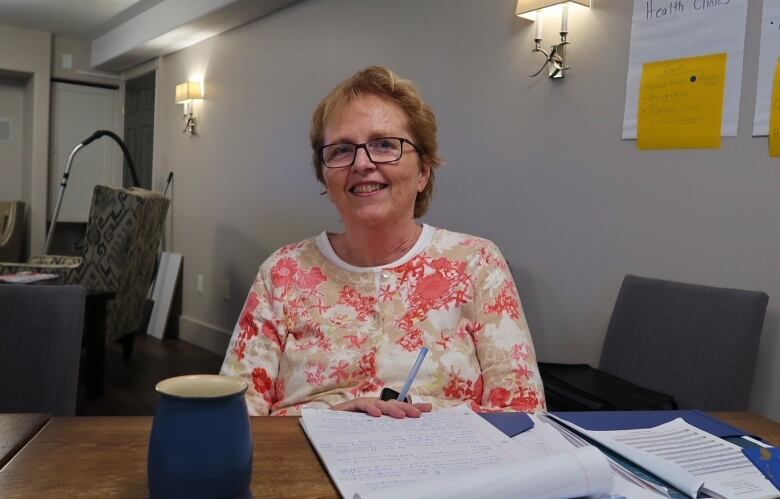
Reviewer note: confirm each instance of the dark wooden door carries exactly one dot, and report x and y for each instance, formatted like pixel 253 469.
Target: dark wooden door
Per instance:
pixel 139 128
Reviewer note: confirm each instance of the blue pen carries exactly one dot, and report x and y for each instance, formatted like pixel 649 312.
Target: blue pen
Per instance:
pixel 412 374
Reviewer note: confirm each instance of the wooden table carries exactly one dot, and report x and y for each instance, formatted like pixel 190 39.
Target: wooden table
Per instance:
pixel 768 430
pixel 16 430
pixel 106 457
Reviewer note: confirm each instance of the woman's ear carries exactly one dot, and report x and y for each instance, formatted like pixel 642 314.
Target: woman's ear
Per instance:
pixel 325 191
pixel 425 175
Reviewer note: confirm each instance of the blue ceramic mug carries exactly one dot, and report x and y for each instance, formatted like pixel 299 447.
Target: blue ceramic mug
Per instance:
pixel 201 442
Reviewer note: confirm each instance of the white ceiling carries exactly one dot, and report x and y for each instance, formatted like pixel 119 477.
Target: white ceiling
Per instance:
pixel 125 33
pixel 78 18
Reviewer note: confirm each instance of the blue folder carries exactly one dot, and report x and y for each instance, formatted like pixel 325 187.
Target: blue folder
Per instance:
pixel 768 461
pixel 632 420
pixel 511 423
pixel 514 423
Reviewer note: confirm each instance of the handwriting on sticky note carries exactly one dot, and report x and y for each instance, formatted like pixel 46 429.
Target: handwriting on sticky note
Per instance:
pixel 681 103
pixel 774 116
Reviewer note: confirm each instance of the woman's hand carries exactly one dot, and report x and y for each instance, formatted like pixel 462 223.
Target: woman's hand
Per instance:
pixel 376 407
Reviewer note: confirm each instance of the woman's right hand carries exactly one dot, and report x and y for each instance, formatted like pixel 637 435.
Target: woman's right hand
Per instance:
pixel 376 407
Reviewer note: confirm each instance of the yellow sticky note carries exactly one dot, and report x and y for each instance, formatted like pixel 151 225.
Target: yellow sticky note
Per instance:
pixel 681 103
pixel 774 116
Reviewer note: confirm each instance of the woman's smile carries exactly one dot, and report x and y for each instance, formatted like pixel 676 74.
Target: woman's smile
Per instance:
pixel 367 188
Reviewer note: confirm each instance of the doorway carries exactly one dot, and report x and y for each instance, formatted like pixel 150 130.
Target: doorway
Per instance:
pixel 77 111
pixel 139 128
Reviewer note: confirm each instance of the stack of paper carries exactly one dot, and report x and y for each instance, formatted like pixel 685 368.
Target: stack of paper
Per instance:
pixel 456 453
pixel 688 458
pixel 26 277
pixel 548 437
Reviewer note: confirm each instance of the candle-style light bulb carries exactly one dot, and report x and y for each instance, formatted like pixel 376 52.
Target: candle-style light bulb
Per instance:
pixel 565 18
pixel 538 23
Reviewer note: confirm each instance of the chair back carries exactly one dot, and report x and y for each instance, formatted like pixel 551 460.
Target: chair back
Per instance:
pixel 11 231
pixel 696 343
pixel 40 345
pixel 120 252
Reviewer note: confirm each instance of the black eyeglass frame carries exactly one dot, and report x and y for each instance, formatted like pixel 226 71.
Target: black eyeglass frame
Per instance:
pixel 363 146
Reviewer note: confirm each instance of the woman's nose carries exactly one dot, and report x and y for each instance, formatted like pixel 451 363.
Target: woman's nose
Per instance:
pixel 362 161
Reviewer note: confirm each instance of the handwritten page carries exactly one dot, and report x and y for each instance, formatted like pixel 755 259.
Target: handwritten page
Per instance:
pixel 681 103
pixel 673 29
pixel 774 119
pixel 370 457
pixel 559 476
pixel 767 57
pixel 688 458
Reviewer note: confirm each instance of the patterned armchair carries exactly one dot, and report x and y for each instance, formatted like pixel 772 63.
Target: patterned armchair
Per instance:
pixel 120 249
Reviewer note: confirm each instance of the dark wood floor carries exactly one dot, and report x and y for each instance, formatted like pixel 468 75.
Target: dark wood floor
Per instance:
pixel 129 383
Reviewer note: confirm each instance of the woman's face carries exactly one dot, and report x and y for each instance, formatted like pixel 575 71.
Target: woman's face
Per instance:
pixel 368 194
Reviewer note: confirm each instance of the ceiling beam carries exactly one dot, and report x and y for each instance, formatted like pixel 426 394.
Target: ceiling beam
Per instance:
pixel 173 25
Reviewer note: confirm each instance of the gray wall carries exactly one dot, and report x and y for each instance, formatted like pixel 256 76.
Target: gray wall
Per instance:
pixel 80 52
pixel 26 55
pixel 11 152
pixel 535 165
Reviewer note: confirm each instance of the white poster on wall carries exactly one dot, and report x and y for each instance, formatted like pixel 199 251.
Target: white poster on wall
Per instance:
pixel 767 59
pixel 672 29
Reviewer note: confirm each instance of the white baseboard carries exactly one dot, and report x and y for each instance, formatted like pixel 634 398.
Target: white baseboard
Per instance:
pixel 203 335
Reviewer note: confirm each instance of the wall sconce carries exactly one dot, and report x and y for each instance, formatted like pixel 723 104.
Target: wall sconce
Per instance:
pixel 555 59
pixel 187 93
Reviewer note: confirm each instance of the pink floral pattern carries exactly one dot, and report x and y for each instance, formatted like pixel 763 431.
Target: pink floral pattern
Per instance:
pixel 506 302
pixel 315 333
pixel 262 384
pixel 246 326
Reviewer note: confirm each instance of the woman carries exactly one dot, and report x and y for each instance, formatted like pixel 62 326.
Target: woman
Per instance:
pixel 332 320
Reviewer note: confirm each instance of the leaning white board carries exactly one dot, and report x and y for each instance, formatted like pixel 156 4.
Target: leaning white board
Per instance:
pixel 162 294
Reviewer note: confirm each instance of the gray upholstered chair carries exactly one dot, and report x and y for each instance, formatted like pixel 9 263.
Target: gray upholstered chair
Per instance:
pixel 40 344
pixel 120 251
pixel 696 343
pixel 11 231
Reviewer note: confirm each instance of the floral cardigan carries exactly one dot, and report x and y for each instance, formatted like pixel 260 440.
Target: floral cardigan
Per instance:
pixel 317 331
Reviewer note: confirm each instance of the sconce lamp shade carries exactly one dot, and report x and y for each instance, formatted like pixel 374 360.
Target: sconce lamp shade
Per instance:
pixel 187 91
pixel 526 8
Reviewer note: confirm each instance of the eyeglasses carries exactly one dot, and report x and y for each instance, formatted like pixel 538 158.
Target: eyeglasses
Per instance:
pixel 381 150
